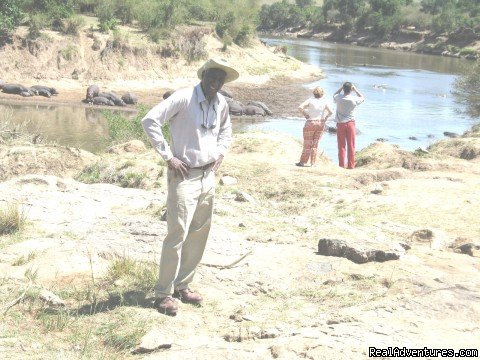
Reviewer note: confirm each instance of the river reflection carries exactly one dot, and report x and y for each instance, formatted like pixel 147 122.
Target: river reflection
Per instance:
pixel 75 126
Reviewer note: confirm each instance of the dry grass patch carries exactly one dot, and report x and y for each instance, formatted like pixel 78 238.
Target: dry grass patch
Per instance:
pixel 462 148
pixel 12 218
pixel 128 172
pixel 97 322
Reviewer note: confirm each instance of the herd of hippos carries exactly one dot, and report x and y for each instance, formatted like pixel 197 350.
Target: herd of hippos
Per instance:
pixel 96 97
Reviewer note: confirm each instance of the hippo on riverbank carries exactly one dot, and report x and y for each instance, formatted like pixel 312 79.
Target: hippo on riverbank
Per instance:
pixel 167 94
pixel 252 110
pixel 225 93
pixel 27 93
pixel 92 92
pixel 261 105
pixel 100 100
pixel 112 97
pixel 130 98
pixel 234 106
pixel 43 90
pixel 16 89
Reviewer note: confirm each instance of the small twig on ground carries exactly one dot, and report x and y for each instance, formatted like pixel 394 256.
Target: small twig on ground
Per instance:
pixel 17 300
pixel 230 265
pixel 434 290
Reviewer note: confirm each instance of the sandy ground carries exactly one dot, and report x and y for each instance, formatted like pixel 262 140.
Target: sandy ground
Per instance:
pixel 282 300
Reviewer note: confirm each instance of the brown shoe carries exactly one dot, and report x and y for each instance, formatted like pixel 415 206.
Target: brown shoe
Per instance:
pixel 188 297
pixel 166 305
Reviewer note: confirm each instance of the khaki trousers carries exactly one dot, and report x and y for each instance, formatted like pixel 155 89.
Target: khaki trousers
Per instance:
pixel 189 217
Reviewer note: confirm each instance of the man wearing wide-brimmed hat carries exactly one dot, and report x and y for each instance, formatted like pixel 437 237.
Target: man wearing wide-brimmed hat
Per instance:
pixel 201 133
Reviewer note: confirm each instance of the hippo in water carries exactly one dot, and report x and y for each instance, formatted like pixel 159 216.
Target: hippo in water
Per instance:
pixel 129 98
pixel 112 97
pixel 261 105
pixel 100 100
pixel 252 110
pixel 450 134
pixel 92 91
pixel 43 90
pixel 234 106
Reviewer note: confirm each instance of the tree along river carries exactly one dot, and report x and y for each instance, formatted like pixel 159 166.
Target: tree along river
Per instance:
pixel 407 96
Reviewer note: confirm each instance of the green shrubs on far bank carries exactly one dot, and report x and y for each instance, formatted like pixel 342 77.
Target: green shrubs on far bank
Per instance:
pixel 467 51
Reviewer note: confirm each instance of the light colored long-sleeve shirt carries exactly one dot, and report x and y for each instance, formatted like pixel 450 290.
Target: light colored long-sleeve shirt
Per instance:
pixel 200 131
pixel 346 105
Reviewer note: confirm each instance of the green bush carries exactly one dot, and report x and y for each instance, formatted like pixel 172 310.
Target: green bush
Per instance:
pixel 69 53
pixel 36 23
pixel 73 24
pixel 243 36
pixel 412 16
pixel 86 6
pixel 122 129
pixel 145 13
pixel 10 16
pixel 467 51
pixel 158 34
pixel 125 11
pixel 191 47
pixel 467 89
pixel 120 38
pixel 54 10
pixel 105 12
pixel 224 24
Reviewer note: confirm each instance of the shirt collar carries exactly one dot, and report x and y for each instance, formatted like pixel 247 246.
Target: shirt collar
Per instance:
pixel 201 96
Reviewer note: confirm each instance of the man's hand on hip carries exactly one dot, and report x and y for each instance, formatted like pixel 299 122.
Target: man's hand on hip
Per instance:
pixel 178 166
pixel 217 163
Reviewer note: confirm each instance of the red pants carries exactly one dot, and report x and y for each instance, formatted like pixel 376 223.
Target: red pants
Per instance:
pixel 312 133
pixel 346 136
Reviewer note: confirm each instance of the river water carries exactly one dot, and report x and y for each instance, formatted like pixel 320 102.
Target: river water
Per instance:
pixel 407 95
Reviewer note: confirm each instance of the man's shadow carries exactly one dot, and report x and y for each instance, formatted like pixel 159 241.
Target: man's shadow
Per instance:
pixel 128 298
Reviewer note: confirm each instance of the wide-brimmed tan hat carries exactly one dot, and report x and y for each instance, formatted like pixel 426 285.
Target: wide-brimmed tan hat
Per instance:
pixel 222 64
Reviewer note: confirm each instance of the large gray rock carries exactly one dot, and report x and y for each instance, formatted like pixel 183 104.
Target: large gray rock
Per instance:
pixel 357 253
pixel 155 339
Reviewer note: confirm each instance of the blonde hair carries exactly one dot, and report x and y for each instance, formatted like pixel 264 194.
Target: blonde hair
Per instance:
pixel 318 92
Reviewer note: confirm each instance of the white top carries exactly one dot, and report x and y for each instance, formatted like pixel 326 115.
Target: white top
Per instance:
pixel 346 105
pixel 200 131
pixel 315 107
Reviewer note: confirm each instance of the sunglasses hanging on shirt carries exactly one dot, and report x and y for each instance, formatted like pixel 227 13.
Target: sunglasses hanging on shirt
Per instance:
pixel 206 124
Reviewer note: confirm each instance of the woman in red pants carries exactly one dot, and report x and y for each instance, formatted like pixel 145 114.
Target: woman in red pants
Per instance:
pixel 345 118
pixel 316 111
